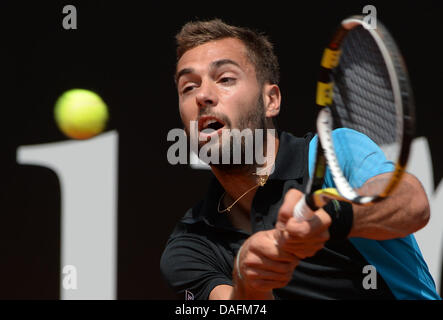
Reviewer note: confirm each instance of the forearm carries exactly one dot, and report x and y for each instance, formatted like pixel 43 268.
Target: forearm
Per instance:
pixel 242 292
pixel 405 211
pixel 238 292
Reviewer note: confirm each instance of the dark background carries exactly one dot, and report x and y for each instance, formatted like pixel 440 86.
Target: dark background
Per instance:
pixel 125 51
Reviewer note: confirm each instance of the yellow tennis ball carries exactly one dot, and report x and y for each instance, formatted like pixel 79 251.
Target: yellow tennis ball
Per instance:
pixel 81 114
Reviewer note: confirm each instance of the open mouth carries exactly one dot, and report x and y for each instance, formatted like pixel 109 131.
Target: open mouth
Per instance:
pixel 209 122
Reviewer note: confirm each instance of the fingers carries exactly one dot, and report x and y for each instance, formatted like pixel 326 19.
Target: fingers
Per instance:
pixel 300 229
pixel 262 264
pixel 304 230
pixel 302 250
pixel 303 244
pixel 268 258
pixel 261 280
pixel 266 269
pixel 301 238
pixel 271 255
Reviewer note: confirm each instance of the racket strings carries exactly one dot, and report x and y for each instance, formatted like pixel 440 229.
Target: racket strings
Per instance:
pixel 363 95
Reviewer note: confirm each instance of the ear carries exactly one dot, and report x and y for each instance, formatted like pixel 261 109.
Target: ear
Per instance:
pixel 271 100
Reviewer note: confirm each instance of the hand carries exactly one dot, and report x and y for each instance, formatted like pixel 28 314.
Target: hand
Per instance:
pixel 263 266
pixel 302 239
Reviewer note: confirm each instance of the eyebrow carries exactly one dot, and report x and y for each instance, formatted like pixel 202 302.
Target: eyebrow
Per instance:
pixel 214 65
pixel 219 63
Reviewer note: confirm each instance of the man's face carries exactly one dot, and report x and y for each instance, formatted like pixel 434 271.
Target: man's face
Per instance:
pixel 218 87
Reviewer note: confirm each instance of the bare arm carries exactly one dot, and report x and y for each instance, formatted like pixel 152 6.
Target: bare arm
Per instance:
pixel 237 292
pixel 221 292
pixel 405 211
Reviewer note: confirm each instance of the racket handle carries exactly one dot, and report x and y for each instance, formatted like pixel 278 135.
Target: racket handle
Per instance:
pixel 302 211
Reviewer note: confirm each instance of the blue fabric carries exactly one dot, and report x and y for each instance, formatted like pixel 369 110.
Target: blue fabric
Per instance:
pixel 398 261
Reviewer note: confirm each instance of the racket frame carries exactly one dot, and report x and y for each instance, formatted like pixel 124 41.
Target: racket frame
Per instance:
pixel 316 197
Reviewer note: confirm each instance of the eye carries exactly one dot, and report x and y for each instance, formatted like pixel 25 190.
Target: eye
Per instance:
pixel 227 80
pixel 188 88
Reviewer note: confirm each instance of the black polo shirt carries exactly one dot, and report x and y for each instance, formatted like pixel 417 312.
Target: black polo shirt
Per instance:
pixel 200 252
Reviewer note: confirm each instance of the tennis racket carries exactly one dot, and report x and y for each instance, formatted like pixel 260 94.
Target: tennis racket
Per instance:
pixel 363 85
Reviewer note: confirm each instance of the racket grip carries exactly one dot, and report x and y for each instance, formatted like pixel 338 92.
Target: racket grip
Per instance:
pixel 302 211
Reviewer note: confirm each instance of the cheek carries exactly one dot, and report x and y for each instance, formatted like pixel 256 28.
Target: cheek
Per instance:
pixel 182 113
pixel 185 111
pixel 239 102
pixel 187 114
pixel 243 105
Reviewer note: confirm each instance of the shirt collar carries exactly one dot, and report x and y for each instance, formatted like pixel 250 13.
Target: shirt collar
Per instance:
pixel 291 159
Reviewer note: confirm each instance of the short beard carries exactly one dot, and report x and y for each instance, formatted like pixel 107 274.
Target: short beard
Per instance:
pixel 253 120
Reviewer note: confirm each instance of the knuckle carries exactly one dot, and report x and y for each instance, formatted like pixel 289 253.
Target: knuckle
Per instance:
pixel 297 229
pixel 250 261
pixel 291 193
pixel 255 284
pixel 292 196
pixel 325 236
pixel 249 273
pixel 288 275
pixel 285 211
pixel 315 249
pixel 281 284
pixel 312 252
pixel 294 263
pixel 302 255
pixel 286 269
pixel 255 242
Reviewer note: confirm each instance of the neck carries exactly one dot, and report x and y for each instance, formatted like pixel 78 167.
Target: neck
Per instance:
pixel 236 181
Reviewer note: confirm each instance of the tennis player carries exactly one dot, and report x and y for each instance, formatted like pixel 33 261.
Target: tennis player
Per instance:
pixel 227 78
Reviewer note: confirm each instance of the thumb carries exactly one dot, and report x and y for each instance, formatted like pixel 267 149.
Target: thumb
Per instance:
pixel 287 208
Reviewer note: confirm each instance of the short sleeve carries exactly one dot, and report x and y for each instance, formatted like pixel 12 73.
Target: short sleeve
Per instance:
pixel 190 263
pixel 359 157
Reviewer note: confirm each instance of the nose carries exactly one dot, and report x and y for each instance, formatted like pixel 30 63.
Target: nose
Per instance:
pixel 206 96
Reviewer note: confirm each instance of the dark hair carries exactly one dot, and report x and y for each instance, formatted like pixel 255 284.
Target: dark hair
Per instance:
pixel 260 49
